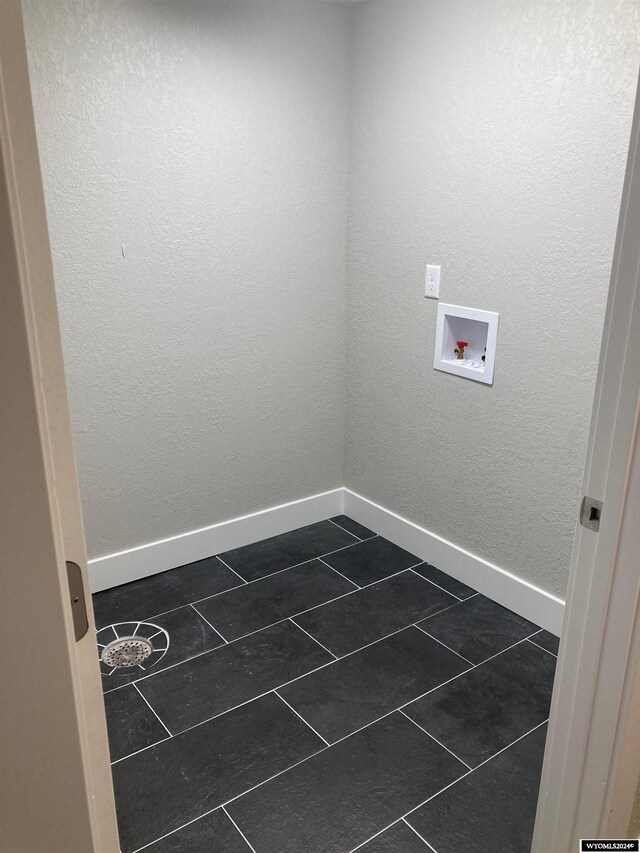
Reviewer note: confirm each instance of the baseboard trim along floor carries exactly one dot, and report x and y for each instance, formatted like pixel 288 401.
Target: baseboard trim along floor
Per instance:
pixel 145 560
pixel 496 583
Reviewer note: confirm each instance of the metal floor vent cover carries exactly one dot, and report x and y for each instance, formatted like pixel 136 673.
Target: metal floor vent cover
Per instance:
pixel 131 648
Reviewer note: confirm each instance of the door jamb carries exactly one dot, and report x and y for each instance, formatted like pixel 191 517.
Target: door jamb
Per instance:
pixel 54 739
pixel 593 749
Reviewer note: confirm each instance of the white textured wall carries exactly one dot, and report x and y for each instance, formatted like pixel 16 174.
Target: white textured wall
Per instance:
pixel 206 366
pixel 489 137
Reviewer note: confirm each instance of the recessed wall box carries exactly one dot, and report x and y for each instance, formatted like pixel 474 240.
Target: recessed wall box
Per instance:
pixel 477 331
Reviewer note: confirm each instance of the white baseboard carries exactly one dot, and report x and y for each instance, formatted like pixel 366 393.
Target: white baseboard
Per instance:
pixel 507 589
pixel 145 560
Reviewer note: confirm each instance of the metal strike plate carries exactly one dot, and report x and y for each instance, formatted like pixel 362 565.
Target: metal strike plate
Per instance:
pixel 77 599
pixel 590 513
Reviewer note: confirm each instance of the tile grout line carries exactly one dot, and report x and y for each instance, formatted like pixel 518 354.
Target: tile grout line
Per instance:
pixel 218 557
pixel 248 583
pixel 143 749
pixel 323 603
pixel 446 787
pixel 195 610
pixel 355 651
pixel 344 657
pixel 263 628
pixel 301 717
pixel 466 660
pixel 208 720
pixel 533 642
pixel 414 566
pixel 411 720
pixel 171 666
pixel 320 560
pixel 224 639
pixel 275 776
pixel 251 847
pixel 224 804
pixel 273 690
pixel 330 663
pixel 172 609
pixel 311 672
pixel 422 695
pixel 231 642
pixel 308 758
pixel 307 560
pixel 290 619
pixel 482 764
pixel 466 671
pixel 429 846
pixel 403 818
pixel 351 592
pixel 239 586
pixel 285 569
pixel 153 711
pixel 340 527
pixel 372 723
pixel 335 657
pixel 437 584
pixel 174 831
pixel 289 568
pixel 324 749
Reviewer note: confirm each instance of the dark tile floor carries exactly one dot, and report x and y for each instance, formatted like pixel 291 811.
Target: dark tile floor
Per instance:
pixel 324 691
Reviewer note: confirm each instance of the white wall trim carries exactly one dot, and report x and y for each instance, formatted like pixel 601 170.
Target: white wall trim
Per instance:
pixel 145 560
pixel 507 589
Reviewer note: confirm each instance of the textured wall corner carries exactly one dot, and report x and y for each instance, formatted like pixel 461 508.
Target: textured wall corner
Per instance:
pixel 210 141
pixel 491 138
pixel 196 167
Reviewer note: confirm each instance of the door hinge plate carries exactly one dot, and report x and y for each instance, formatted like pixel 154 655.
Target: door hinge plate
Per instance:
pixel 590 513
pixel 77 599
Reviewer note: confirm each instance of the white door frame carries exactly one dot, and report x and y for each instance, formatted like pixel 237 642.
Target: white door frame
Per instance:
pixel 592 759
pixel 57 791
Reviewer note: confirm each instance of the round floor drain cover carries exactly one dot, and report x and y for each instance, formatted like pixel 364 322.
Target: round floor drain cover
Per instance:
pixel 129 649
pixel 126 652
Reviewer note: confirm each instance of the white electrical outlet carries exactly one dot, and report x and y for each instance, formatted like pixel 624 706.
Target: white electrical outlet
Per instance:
pixel 432 282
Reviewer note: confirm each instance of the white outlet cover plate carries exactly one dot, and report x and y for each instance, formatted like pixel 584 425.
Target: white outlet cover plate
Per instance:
pixel 479 328
pixel 432 282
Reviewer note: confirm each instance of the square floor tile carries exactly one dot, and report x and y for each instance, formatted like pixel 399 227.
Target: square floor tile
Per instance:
pixel 489 707
pixel 288 549
pixel 399 838
pixel 360 688
pixel 444 581
pixel 341 797
pixel 213 833
pixel 189 635
pixel 371 561
pixel 371 613
pixel 492 809
pixel 164 787
pixel 547 641
pixel 142 599
pixel 215 682
pixel 272 599
pixel 479 628
pixel 131 724
pixel 353 527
